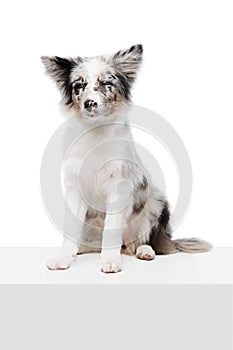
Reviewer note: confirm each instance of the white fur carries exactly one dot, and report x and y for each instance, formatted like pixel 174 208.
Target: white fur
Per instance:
pixel 65 257
pixel 110 260
pixel 105 183
pixel 145 252
pixel 99 179
pixel 102 170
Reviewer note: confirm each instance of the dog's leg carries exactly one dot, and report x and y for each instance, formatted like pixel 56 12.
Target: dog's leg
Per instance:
pixel 65 256
pixel 73 225
pixel 110 257
pixel 115 223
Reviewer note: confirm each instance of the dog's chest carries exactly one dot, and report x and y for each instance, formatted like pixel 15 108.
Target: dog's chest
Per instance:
pixel 96 163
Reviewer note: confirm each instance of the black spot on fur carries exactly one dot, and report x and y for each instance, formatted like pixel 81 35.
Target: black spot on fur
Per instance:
pixel 160 238
pixel 165 216
pixel 144 184
pixel 139 195
pixel 123 85
pixel 90 215
pixel 137 207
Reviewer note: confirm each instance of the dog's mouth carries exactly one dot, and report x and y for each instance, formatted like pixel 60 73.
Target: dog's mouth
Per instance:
pixel 96 111
pixel 92 111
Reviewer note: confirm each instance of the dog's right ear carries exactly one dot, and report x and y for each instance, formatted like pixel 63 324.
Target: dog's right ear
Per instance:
pixel 59 70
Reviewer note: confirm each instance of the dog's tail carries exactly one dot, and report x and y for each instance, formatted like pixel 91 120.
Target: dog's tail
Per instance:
pixel 191 245
pixel 162 243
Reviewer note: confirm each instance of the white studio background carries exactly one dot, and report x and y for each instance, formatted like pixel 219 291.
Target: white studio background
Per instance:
pixel 187 78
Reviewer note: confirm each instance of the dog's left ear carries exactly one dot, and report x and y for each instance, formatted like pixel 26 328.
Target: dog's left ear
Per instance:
pixel 128 61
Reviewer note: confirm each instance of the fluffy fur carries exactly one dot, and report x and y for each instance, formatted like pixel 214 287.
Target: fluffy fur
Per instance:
pixel 97 91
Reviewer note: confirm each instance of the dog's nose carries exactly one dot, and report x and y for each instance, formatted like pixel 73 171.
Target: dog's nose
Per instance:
pixel 89 104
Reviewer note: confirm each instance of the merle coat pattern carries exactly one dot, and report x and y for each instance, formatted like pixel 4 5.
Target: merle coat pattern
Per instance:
pixel 97 91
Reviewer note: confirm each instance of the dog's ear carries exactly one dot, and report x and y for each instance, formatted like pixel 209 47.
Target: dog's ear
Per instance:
pixel 128 61
pixel 59 70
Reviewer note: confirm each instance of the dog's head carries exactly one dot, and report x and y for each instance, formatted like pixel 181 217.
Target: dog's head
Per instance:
pixel 95 86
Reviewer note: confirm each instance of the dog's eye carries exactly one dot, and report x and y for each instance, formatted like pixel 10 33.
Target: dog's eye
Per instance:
pixel 78 86
pixel 106 82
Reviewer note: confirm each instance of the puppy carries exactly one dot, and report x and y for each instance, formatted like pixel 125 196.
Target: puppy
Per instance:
pixel 106 185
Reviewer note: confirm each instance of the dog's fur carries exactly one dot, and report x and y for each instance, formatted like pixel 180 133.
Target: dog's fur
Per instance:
pixel 97 91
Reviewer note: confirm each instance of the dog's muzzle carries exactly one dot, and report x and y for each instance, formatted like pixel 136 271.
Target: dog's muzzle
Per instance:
pixel 90 105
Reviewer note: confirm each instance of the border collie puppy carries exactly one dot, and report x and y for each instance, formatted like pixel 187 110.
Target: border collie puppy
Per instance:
pixel 106 185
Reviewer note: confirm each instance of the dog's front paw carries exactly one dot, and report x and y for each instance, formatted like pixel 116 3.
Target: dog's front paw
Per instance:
pixel 110 266
pixel 110 262
pixel 145 252
pixel 59 263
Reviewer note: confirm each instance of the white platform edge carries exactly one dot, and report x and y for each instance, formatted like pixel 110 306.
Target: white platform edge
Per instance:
pixel 27 266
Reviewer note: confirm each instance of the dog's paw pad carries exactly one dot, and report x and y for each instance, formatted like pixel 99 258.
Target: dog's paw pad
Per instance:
pixel 145 252
pixel 145 256
pixel 58 263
